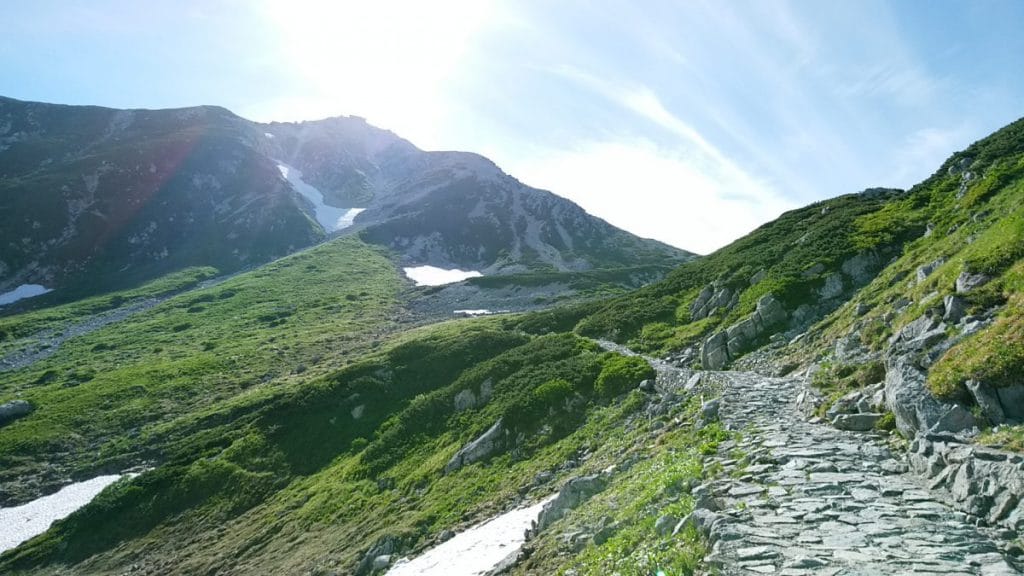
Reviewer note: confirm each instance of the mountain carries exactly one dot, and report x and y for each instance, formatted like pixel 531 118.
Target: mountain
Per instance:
pixel 94 198
pixel 816 397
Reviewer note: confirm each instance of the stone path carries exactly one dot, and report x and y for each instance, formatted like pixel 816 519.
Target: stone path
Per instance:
pixel 807 499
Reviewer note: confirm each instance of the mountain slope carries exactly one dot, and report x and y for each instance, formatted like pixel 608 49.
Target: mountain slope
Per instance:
pixel 313 434
pixel 94 198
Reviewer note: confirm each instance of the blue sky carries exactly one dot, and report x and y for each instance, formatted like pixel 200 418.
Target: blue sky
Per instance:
pixel 687 121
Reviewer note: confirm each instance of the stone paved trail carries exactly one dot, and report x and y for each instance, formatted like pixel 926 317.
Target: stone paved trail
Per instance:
pixel 807 499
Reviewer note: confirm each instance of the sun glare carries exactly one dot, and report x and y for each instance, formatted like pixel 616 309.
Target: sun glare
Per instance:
pixel 389 60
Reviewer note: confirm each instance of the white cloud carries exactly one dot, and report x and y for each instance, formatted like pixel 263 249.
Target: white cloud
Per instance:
pixel 686 200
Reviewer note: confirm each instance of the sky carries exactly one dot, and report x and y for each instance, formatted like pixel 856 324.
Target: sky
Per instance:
pixel 691 122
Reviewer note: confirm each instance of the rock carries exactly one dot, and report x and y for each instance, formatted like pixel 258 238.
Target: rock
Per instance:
pixel 646 386
pixel 967 281
pixel 11 411
pixel 861 268
pixel 741 335
pixel 856 422
pixel 490 442
pixel 605 534
pixel 714 354
pixel 704 498
pixel 709 410
pixel 955 307
pixel 923 272
pixel 915 409
pixel 543 477
pixel 486 390
pixel 693 381
pixel 833 287
pixel 664 525
pixel 770 311
pixel 465 400
pixel 384 548
pixel 702 519
pixel 1012 400
pixel 988 400
pixel 711 298
pixel 357 411
pixel 848 347
pixel 381 562
pixel 760 275
pixel 575 492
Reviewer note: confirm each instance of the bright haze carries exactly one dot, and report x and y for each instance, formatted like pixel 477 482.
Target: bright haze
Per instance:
pixel 689 122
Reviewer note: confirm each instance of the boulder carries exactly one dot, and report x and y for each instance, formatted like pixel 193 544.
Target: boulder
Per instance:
pixel 770 311
pixel 11 411
pixel 465 400
pixel 709 410
pixel 833 287
pixel 665 524
pixel 861 267
pixel 954 308
pixel 856 422
pixel 714 354
pixel 381 562
pixel 916 410
pixel 487 444
pixel 702 519
pixel 967 281
pixel 742 335
pixel 988 400
pixel 575 492
pixel 923 272
pixel 1012 400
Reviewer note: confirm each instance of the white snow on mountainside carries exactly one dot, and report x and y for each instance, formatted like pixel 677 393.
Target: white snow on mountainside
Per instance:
pixel 434 276
pixel 329 217
pixel 22 292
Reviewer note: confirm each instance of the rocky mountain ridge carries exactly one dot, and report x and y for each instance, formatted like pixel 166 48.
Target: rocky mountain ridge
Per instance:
pixel 94 198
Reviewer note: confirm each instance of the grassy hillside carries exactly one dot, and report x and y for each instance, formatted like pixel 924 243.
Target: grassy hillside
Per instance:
pixel 98 397
pixel 293 422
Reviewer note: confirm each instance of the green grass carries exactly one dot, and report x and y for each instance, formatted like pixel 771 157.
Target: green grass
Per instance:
pixel 295 460
pixel 15 325
pixel 657 485
pixel 1007 438
pixel 100 395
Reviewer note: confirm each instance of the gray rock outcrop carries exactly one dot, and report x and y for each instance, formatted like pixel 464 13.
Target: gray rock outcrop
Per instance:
pixel 723 346
pixel 711 298
pixel 491 441
pixel 967 281
pixel 11 411
pixel 915 408
pixel 575 492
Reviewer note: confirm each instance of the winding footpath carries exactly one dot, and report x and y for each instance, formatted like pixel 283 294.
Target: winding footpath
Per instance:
pixel 806 499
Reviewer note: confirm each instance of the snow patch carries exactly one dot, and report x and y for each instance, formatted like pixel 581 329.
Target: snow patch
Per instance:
pixel 475 551
pixel 478 312
pixel 22 292
pixel 268 134
pixel 434 276
pixel 19 523
pixel 330 218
